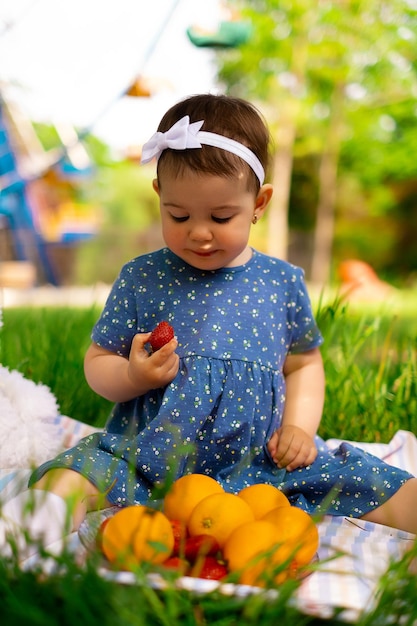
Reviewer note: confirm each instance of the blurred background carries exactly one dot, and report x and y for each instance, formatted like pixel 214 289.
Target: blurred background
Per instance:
pixel 84 84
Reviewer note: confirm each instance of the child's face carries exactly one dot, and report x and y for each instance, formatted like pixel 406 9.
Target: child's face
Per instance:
pixel 206 219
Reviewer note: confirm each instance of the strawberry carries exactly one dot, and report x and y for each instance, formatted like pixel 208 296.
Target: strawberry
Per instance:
pixel 199 546
pixel 161 335
pixel 180 534
pixel 210 568
pixel 177 564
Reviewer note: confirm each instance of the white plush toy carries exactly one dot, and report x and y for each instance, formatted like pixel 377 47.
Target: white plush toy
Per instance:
pixel 29 431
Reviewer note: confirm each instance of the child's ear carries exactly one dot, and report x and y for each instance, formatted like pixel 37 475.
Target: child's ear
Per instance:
pixel 155 185
pixel 263 198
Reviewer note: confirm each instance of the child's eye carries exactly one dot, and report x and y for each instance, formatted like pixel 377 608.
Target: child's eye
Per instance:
pixel 179 219
pixel 221 220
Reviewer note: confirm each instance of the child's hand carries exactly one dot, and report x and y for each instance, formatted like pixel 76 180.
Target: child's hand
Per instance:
pixel 155 370
pixel 291 447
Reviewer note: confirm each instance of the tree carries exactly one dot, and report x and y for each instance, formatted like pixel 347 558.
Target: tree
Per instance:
pixel 311 63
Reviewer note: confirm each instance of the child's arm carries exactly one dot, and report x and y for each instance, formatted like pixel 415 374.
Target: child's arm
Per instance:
pixel 119 379
pixel 292 445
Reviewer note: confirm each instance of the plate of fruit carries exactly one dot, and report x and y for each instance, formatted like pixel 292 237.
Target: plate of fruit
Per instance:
pixel 202 536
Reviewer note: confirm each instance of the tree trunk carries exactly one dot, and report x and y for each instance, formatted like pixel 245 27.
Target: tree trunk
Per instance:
pixel 283 163
pixel 277 241
pixel 324 230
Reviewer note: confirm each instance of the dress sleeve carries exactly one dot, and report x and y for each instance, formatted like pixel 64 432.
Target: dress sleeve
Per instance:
pixel 304 332
pixel 117 324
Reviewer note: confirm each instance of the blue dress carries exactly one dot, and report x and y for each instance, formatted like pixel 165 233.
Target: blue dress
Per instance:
pixel 235 327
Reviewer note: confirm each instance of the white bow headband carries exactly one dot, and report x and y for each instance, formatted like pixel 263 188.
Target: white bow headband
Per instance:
pixel 183 135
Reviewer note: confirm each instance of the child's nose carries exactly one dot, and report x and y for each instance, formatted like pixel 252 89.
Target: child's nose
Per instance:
pixel 200 232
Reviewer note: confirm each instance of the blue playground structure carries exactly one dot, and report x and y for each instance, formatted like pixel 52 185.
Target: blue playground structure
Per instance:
pixel 25 194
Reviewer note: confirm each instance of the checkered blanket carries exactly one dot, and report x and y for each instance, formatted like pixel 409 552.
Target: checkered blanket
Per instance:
pixel 353 554
pixel 351 581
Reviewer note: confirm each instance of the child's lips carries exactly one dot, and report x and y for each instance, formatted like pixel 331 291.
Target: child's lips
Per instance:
pixel 204 253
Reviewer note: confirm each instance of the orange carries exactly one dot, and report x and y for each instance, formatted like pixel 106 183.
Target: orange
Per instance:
pixel 137 534
pixel 254 552
pixel 186 492
pixel 263 498
pixel 297 530
pixel 217 515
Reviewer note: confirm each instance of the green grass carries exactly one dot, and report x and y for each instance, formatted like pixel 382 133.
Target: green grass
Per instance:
pixel 48 345
pixel 370 360
pixel 83 597
pixel 371 370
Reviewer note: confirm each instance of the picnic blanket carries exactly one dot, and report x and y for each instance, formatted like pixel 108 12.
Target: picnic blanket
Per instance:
pixel 349 581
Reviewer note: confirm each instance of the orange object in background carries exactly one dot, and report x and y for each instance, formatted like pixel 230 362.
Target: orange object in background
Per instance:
pixel 57 213
pixel 355 271
pixel 360 282
pixel 140 88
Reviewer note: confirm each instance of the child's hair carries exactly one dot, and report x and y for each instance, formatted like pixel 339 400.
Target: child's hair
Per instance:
pixel 224 115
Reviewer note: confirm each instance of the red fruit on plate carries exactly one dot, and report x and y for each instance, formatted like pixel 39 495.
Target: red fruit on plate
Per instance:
pixel 200 546
pixel 209 568
pixel 180 535
pixel 177 564
pixel 161 335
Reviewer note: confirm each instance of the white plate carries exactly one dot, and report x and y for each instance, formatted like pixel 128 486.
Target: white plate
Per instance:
pixel 187 583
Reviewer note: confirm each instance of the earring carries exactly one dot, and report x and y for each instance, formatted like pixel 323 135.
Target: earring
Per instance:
pixel 254 218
